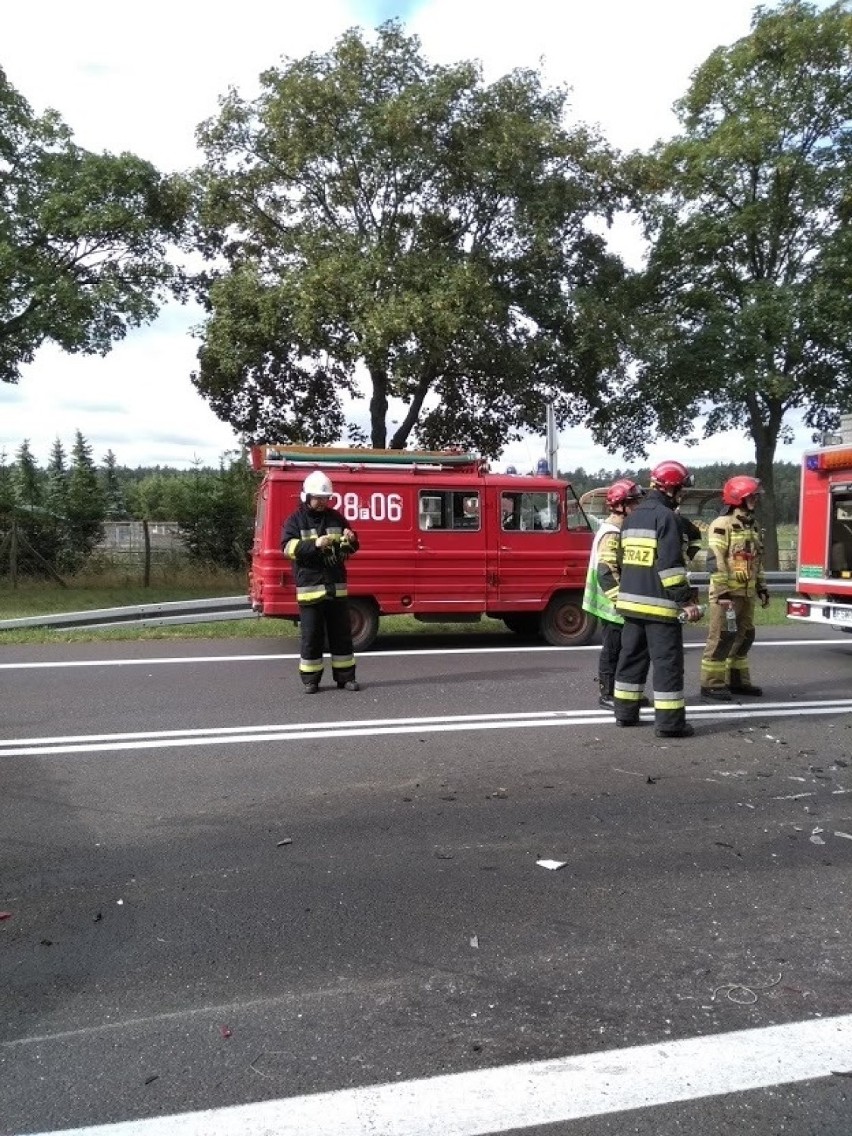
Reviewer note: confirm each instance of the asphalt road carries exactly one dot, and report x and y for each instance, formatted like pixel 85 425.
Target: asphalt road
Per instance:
pixel 218 891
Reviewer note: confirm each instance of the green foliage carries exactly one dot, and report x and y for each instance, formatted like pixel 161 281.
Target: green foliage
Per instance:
pixel 83 238
pixel 377 214
pixel 217 515
pixel 85 505
pixel 26 481
pixel 115 505
pixel 746 309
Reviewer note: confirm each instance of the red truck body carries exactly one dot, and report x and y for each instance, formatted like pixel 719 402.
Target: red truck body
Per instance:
pixel 441 539
pixel 824 560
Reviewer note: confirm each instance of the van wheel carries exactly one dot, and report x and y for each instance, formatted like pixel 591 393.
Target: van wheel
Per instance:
pixel 523 623
pixel 565 624
pixel 364 617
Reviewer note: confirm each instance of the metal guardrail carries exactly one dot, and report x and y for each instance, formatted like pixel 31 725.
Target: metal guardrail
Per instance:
pixel 173 613
pixel 232 607
pixel 776 582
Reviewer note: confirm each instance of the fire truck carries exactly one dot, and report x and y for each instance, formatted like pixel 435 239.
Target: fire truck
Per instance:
pixel 824 562
pixel 441 539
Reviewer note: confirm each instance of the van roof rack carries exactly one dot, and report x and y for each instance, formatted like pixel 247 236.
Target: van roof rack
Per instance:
pixel 355 457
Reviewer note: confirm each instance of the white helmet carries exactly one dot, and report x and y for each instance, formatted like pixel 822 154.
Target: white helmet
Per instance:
pixel 316 484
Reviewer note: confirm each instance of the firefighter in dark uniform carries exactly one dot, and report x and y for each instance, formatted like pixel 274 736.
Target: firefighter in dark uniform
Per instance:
pixel 653 591
pixel 318 541
pixel 737 580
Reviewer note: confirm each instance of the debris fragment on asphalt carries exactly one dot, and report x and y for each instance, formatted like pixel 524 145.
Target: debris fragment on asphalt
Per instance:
pixel 552 865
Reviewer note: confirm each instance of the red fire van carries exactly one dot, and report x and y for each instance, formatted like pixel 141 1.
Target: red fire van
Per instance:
pixel 441 538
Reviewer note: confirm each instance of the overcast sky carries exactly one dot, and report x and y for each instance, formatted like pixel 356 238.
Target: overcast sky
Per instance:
pixel 140 78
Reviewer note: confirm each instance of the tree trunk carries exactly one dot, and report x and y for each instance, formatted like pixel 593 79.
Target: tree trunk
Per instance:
pixel 379 408
pixel 398 441
pixel 765 432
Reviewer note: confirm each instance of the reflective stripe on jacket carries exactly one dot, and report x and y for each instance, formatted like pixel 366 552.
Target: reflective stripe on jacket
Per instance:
pixel 602 576
pixel 320 573
pixel 653 583
pixel 735 556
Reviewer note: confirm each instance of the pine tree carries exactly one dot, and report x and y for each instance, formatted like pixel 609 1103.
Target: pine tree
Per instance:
pixel 56 507
pixel 7 490
pixel 115 505
pixel 26 480
pixel 86 508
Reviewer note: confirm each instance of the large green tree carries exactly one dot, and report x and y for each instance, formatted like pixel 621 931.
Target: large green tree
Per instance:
pixel 747 311
pixel 83 238
pixel 373 216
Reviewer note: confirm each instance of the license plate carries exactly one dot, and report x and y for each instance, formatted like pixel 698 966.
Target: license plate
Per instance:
pixel 841 614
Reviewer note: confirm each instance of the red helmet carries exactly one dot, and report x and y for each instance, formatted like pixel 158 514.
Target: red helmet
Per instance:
pixel 671 476
pixel 736 489
pixel 622 492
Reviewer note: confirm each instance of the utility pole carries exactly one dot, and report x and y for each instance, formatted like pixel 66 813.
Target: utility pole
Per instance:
pixel 551 441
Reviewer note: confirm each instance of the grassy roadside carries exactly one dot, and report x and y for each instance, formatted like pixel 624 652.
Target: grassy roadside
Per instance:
pixel 48 600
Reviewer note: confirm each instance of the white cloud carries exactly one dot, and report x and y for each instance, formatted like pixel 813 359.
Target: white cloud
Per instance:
pixel 144 84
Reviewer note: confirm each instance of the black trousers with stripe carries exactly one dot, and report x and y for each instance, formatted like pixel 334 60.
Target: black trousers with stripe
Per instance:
pixel 647 643
pixel 327 620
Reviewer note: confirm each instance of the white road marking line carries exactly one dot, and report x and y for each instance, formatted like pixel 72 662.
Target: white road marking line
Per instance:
pixel 233 735
pixel 532 1094
pixel 167 660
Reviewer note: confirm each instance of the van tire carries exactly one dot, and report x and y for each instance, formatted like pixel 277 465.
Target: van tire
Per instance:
pixel 364 618
pixel 565 624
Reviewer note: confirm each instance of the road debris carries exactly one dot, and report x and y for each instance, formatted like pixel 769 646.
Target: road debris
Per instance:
pixel 741 994
pixel 552 865
pixel 282 843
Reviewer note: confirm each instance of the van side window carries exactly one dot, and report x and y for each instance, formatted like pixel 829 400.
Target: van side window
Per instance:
pixel 578 517
pixel 465 510
pixel 431 510
pixel 529 512
pixel 449 510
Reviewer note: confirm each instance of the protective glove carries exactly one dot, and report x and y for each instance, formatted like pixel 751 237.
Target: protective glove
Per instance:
pixel 741 575
pixel 763 596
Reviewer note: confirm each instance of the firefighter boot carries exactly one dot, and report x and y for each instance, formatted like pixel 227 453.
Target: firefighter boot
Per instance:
pixel 739 678
pixel 607 686
pixel 745 686
pixel 684 731
pixel 349 684
pixel 717 693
